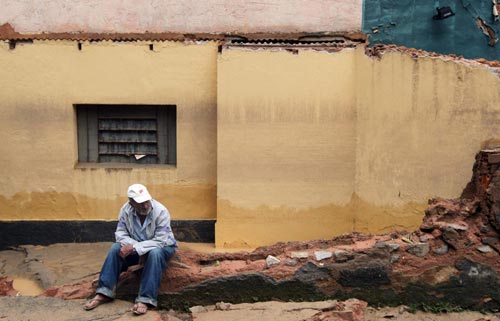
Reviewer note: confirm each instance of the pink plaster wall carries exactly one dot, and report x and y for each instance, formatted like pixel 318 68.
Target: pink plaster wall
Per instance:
pixel 183 16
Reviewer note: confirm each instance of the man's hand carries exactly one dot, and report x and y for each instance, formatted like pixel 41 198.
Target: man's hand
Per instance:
pixel 126 250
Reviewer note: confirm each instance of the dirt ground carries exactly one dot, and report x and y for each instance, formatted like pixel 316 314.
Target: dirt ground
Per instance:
pixel 35 268
pixel 50 309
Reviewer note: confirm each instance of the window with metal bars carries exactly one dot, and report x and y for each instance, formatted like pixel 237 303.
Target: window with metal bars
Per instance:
pixel 142 134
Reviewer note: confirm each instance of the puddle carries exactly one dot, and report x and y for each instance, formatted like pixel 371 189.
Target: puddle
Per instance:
pixel 26 287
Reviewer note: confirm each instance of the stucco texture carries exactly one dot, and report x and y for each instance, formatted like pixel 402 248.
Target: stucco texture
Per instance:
pixel 436 115
pixel 188 16
pixel 40 84
pixel 286 145
pixel 317 144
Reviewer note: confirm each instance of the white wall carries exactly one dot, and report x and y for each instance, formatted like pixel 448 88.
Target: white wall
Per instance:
pixel 186 16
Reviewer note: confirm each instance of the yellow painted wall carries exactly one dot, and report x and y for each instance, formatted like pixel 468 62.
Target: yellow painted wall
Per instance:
pixel 39 85
pixel 286 145
pixel 420 123
pixel 315 144
pixel 277 145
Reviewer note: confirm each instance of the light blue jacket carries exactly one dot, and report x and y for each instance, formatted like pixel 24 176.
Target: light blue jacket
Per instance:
pixel 154 233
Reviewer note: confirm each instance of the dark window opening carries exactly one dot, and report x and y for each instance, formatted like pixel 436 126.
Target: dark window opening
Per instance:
pixel 141 134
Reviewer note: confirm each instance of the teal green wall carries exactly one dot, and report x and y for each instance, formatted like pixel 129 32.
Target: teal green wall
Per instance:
pixel 409 23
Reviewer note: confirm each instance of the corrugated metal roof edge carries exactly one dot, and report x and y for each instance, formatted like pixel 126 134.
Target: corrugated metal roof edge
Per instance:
pixel 7 33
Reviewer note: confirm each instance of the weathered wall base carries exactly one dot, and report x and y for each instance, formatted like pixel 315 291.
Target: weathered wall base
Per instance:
pixel 17 233
pixel 263 225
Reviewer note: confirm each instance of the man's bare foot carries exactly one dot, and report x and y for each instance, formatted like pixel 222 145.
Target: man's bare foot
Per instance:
pixel 140 308
pixel 96 301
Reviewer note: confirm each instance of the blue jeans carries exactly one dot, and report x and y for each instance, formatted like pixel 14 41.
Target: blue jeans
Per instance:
pixel 155 264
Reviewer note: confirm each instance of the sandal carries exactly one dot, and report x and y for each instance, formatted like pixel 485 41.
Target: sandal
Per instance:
pixel 96 301
pixel 140 308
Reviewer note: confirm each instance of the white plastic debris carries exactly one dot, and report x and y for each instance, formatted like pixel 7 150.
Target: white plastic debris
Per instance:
pixel 271 260
pixel 321 255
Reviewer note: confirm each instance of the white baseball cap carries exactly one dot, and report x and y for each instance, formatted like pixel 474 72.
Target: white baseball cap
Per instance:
pixel 138 193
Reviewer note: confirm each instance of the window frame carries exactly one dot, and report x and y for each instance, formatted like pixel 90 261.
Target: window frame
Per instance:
pixel 88 115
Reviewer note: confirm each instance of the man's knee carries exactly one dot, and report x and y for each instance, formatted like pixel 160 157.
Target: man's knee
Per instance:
pixel 161 254
pixel 169 252
pixel 115 248
pixel 155 254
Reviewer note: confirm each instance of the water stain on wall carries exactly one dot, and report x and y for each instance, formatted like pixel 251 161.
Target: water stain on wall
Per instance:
pixel 239 227
pixel 183 202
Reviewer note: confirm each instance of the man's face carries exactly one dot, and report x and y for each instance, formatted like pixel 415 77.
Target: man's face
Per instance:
pixel 141 208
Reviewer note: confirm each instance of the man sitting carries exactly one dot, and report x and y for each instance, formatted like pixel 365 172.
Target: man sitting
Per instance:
pixel 143 234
